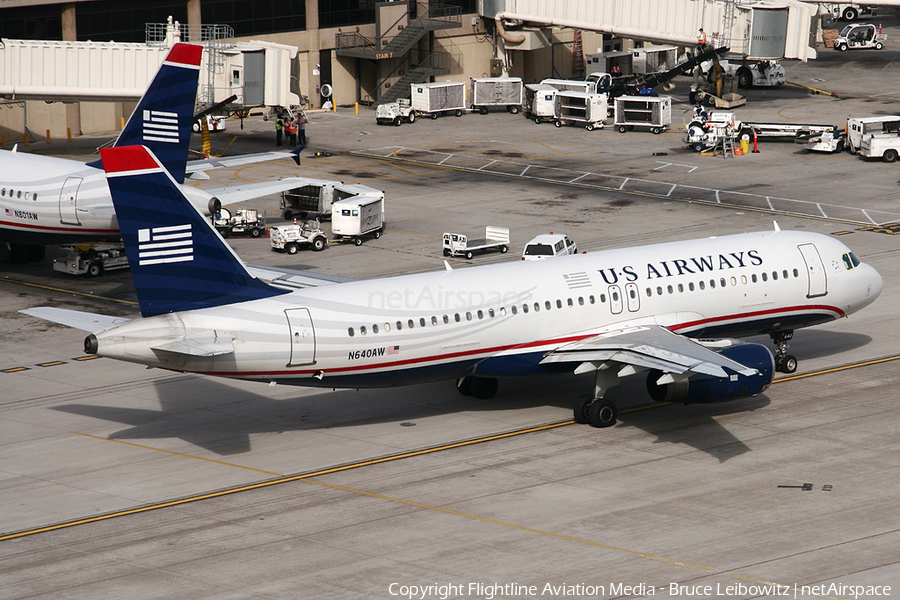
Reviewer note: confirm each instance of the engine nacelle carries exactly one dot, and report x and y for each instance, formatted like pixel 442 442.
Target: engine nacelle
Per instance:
pixel 705 389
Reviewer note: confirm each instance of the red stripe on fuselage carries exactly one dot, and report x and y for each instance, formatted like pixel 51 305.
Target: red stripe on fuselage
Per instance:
pixel 31 227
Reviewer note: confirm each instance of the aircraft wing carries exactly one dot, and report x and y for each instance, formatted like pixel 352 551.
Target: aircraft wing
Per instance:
pixel 645 347
pixel 206 164
pixel 294 278
pixel 240 193
pixel 72 318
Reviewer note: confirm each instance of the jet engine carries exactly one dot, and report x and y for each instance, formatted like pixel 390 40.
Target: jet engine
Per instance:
pixel 705 389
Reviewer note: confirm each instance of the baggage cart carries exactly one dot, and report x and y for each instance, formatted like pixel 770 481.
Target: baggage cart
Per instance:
pixel 458 244
pixel 438 98
pixel 572 85
pixel 653 112
pixel 502 92
pixel 243 220
pixel 580 108
pixel 358 217
pixel 539 102
pixel 317 197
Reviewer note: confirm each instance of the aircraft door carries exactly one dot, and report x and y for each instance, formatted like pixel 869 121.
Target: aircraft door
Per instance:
pixel 615 299
pixel 815 270
pixel 303 337
pixel 633 297
pixel 68 197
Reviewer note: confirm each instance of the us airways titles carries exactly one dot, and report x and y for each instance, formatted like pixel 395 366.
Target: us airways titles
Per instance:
pixel 684 266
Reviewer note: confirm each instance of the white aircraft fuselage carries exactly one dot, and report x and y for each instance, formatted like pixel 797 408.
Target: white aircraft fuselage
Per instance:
pixel 502 320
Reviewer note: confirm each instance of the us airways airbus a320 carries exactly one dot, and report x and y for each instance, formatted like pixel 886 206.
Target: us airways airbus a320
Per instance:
pixel 614 313
pixel 48 200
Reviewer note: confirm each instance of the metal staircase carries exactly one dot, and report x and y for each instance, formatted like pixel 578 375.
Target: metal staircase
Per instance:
pixel 435 63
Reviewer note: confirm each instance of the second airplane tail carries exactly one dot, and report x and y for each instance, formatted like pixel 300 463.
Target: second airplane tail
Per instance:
pixel 178 260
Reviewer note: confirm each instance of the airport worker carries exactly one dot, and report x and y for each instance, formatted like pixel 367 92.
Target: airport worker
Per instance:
pixel 701 40
pixel 279 125
pixel 301 125
pixel 290 128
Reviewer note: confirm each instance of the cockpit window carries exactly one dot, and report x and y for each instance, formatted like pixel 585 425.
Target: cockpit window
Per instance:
pixel 848 264
pixel 854 260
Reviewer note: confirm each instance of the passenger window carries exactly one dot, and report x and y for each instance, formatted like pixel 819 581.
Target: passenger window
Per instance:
pixel 765 277
pixel 502 311
pixel 399 325
pixel 658 291
pixel 734 281
pixel 702 285
pixel 387 327
pixel 457 317
pixel 446 319
pixel 434 320
pixel 649 292
pixel 774 275
pixel 580 301
pixel 691 286
pixel 524 308
pixel 422 321
pixel 514 309
pixel 480 314
pixel 670 289
pixel 537 307
pixel 603 298
pixel 374 328
pixel 744 279
pixel 411 323
pixel 753 277
pixel 559 303
pixel 350 331
pixel 722 281
pixel 680 288
pixel 570 303
pixel 362 330
pixel 712 283
pixel 796 273
pixel 468 316
pixel 547 305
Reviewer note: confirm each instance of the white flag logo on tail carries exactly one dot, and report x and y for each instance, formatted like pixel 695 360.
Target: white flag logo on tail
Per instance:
pixel 160 126
pixel 165 245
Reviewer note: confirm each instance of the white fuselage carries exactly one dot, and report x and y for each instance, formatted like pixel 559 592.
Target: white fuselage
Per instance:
pixel 446 324
pixel 48 200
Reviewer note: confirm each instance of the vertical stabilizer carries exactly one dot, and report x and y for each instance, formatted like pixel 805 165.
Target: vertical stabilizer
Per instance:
pixel 178 260
pixel 163 118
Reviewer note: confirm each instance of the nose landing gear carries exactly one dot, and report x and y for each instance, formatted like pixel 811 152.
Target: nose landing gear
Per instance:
pixel 784 362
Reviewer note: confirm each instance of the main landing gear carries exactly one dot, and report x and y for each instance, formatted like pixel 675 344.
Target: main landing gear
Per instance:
pixel 482 388
pixel 784 362
pixel 594 409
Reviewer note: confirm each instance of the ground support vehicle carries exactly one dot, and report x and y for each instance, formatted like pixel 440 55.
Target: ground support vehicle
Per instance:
pixel 214 123
pixel 885 146
pixel 547 245
pixel 497 92
pixel 318 196
pixel 438 98
pixel 860 128
pixel 580 108
pixel 761 73
pixel 862 36
pixel 395 113
pixel 704 134
pixel 91 259
pixel 358 217
pixel 539 102
pixel 458 244
pixel 831 139
pixel 653 112
pixel 244 220
pixel 846 11
pixel 291 238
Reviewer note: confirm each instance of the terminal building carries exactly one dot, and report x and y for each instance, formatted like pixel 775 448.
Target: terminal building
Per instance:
pixel 364 51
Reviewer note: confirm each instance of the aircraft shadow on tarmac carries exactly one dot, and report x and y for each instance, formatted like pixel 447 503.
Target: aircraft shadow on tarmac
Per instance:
pixel 217 417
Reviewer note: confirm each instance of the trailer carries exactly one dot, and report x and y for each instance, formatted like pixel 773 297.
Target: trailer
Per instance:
pixel 91 259
pixel 653 112
pixel 318 196
pixel 493 92
pixel 653 59
pixel 831 140
pixel 572 85
pixel 358 217
pixel 539 102
pixel 580 108
pixel 438 98
pixel 243 220
pixel 395 113
pixel 495 238
pixel 291 238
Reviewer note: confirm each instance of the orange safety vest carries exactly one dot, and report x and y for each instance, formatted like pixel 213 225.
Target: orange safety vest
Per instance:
pixel 291 127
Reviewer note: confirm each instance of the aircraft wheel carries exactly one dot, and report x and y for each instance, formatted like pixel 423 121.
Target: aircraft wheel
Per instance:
pixel 602 413
pixel 484 388
pixel 464 386
pixel 581 409
pixel 787 364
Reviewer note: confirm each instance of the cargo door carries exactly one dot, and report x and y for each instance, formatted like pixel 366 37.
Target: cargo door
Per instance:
pixel 818 286
pixel 303 337
pixel 615 299
pixel 68 200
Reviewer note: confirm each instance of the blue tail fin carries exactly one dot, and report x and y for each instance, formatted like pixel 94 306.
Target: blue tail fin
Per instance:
pixel 163 118
pixel 178 260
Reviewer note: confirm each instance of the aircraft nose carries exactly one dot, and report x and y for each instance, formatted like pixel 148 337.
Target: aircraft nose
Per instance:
pixel 874 284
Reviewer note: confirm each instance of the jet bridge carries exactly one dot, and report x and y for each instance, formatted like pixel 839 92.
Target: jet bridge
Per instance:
pixel 758 30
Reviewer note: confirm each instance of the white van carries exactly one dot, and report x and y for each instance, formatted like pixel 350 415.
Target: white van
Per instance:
pixel 552 244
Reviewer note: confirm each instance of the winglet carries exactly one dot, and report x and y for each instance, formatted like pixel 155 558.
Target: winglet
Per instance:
pixel 295 154
pixel 777 228
pixel 178 260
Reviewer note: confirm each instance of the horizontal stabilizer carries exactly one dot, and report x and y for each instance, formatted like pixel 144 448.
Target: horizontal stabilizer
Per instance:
pixel 84 321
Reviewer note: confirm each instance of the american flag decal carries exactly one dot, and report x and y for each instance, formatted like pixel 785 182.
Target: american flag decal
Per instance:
pixel 165 245
pixel 393 349
pixel 577 280
pixel 160 126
